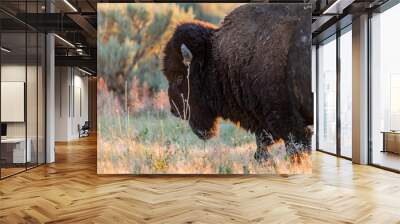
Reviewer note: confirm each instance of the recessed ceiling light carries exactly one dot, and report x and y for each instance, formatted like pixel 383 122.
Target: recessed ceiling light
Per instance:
pixel 338 6
pixel 70 5
pixel 84 71
pixel 5 50
pixel 65 41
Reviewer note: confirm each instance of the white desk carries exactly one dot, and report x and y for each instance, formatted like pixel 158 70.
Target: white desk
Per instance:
pixel 19 155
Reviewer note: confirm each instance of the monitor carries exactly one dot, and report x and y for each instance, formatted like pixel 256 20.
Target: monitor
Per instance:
pixel 3 129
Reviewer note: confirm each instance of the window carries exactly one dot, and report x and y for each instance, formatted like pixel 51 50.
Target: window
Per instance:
pixel 346 92
pixel 314 82
pixel 327 95
pixel 385 89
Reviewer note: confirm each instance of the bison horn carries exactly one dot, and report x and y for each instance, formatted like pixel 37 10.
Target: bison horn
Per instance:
pixel 186 54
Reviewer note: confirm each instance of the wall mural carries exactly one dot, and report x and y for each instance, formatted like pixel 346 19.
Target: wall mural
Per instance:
pixel 190 88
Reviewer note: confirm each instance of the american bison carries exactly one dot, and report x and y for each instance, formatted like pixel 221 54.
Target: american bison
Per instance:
pixel 254 70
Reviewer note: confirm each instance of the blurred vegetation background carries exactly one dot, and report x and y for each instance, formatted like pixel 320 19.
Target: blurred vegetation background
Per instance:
pixel 131 38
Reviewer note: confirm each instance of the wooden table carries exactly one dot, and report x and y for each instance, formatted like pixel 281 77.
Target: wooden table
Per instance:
pixel 391 141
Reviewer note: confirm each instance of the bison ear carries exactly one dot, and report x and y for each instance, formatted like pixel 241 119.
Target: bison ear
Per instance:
pixel 187 55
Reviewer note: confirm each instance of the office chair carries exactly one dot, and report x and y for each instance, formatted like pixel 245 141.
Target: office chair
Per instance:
pixel 84 130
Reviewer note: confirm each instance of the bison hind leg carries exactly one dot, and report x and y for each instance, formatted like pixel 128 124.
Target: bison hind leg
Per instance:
pixel 299 142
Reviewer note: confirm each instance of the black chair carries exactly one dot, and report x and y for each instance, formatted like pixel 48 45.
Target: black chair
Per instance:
pixel 84 130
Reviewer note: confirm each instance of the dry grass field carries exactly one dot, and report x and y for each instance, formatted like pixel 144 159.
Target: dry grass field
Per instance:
pixel 149 140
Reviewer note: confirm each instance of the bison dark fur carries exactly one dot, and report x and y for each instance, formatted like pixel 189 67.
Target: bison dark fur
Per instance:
pixel 253 70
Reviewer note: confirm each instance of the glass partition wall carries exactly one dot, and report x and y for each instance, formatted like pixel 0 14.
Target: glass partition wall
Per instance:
pixel 334 104
pixel 385 89
pixel 22 88
pixel 345 91
pixel 327 95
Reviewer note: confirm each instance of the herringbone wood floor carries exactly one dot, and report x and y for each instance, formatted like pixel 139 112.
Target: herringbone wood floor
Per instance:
pixel 69 191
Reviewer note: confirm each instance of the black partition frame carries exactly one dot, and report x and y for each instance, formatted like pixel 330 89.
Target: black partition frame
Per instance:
pixel 43 55
pixel 336 35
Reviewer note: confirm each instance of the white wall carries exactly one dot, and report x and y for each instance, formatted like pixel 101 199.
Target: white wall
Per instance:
pixel 80 110
pixel 13 101
pixel 71 94
pixel 61 103
pixel 16 73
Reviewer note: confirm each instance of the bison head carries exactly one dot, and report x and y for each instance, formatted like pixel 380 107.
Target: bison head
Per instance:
pixel 185 67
